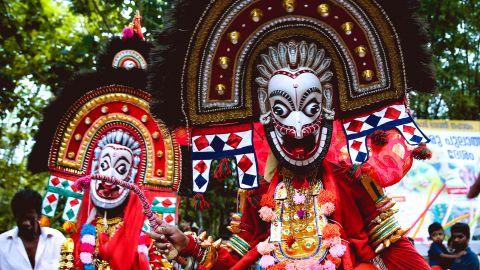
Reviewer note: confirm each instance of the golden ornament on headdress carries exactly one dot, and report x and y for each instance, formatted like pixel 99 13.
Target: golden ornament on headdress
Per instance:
pixel 323 10
pixel 220 88
pixel 125 108
pixel 223 62
pixel 104 109
pixel 347 27
pixel 159 172
pixel 78 137
pixel 88 121
pixel 159 153
pixel 234 36
pixel 71 155
pixel 144 118
pixel 289 5
pixel 155 135
pixel 367 75
pixel 361 51
pixel 256 14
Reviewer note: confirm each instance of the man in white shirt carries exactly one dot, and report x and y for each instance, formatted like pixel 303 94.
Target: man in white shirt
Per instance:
pixel 28 246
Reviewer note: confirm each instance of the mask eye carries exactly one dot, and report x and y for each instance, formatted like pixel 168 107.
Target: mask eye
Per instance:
pixel 104 165
pixel 312 108
pixel 122 169
pixel 281 110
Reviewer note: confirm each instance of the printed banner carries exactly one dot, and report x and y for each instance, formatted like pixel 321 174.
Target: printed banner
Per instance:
pixel 455 162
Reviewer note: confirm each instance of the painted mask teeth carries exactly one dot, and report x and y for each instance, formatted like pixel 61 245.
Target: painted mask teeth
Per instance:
pixel 319 136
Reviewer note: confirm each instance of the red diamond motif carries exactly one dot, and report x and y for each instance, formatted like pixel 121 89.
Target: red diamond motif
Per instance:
pixel 74 202
pixel 51 198
pixel 167 202
pixel 392 113
pixel 168 218
pixel 356 145
pixel 234 140
pixel 55 181
pixel 201 167
pixel 245 163
pixel 201 143
pixel 355 126
pixel 409 129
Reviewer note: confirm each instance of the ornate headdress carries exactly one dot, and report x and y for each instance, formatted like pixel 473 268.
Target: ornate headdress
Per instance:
pixel 102 109
pixel 295 66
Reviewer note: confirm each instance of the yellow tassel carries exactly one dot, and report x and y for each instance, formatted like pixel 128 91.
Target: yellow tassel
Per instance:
pixel 69 227
pixel 44 221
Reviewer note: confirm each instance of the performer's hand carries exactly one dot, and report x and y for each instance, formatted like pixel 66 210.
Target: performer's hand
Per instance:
pixel 176 238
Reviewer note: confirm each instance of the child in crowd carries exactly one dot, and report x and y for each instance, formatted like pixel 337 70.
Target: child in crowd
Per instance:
pixel 438 255
pixel 459 241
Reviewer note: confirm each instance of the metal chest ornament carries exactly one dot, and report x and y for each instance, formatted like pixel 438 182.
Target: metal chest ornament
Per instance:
pixel 100 124
pixel 329 83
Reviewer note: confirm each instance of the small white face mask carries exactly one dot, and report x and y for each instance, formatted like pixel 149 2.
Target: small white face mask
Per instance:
pixel 114 161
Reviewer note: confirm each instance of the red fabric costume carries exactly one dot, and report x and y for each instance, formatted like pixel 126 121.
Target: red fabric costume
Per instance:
pixel 354 208
pixel 328 81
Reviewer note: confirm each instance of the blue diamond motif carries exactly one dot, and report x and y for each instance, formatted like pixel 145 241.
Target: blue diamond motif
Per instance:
pixel 248 179
pixel 416 139
pixel 200 181
pixel 361 157
pixel 217 144
pixel 373 120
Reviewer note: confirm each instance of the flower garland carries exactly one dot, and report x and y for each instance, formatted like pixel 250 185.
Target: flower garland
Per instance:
pixel 142 244
pixel 87 246
pixel 330 233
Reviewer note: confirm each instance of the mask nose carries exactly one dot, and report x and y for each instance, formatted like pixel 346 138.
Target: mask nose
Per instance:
pixel 109 172
pixel 298 126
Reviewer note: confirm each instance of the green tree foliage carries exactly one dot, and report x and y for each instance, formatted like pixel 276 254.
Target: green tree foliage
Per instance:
pixel 454 30
pixel 222 197
pixel 42 43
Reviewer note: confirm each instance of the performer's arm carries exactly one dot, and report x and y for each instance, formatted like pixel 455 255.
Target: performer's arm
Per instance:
pixel 251 230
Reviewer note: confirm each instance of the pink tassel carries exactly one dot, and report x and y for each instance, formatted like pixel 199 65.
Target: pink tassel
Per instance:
pixel 127 33
pixel 83 183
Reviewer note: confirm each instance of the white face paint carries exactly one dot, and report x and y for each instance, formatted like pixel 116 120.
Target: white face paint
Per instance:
pixel 114 161
pixel 295 99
